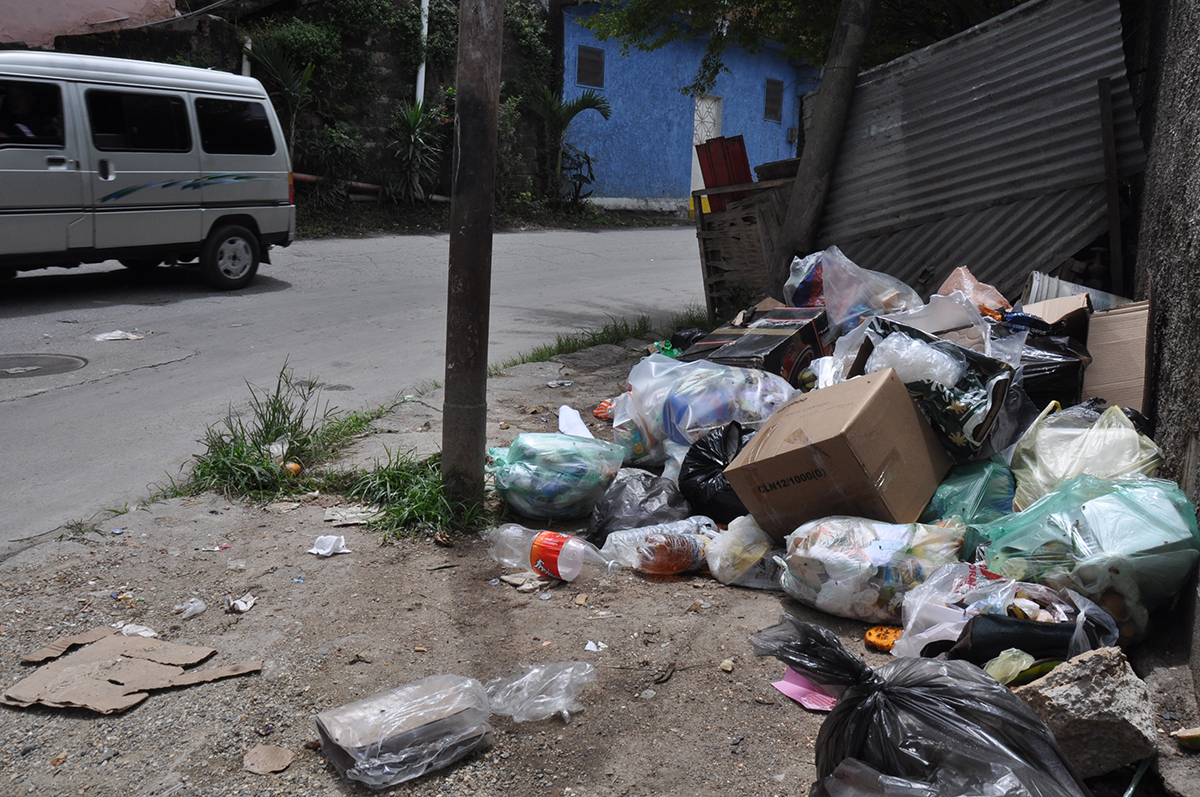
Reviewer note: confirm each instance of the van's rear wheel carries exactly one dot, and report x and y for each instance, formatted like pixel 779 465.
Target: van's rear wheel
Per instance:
pixel 229 259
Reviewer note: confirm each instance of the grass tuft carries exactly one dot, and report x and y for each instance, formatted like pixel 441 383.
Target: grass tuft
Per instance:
pixel 410 493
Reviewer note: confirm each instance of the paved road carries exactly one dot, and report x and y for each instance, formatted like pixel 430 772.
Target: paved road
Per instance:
pixel 365 317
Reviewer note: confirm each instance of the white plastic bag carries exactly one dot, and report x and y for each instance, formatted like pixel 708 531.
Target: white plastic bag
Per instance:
pixel 938 609
pixel 744 555
pixel 711 398
pixel 915 361
pixel 1062 445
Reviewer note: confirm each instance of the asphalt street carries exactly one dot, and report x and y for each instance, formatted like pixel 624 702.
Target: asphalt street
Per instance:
pixel 365 317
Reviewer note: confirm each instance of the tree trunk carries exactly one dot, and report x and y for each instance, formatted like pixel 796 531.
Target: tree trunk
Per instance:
pixel 799 231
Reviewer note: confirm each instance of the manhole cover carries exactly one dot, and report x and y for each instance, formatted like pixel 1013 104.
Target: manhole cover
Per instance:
pixel 17 365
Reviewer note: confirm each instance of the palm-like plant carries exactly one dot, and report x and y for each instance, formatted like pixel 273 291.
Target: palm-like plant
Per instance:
pixel 417 147
pixel 559 115
pixel 289 82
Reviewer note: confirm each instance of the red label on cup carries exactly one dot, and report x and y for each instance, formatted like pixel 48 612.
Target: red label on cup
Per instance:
pixel 543 554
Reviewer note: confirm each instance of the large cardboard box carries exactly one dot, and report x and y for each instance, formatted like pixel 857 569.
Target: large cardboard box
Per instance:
pixel 781 340
pixel 860 447
pixel 1118 345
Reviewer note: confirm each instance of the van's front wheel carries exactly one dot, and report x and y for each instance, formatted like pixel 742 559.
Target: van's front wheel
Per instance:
pixel 229 259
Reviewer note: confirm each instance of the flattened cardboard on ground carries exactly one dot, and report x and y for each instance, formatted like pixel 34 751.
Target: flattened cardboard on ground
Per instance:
pixel 1118 343
pixel 112 672
pixel 860 447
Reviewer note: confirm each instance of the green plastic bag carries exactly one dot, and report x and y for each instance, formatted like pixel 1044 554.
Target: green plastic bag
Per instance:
pixel 544 475
pixel 978 492
pixel 1128 544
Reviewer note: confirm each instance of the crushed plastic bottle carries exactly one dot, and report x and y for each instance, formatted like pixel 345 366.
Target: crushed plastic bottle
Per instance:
pixel 663 549
pixel 549 553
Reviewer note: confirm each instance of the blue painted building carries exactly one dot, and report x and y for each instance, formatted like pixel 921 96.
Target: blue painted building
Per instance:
pixel 644 155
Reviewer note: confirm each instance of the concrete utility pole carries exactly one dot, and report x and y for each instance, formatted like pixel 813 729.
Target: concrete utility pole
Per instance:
pixel 799 232
pixel 477 101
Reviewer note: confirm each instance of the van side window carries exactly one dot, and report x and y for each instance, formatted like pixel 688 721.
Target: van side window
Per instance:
pixel 135 122
pixel 234 127
pixel 30 114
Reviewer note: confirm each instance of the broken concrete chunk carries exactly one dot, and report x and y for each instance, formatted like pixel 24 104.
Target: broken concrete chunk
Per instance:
pixel 1098 709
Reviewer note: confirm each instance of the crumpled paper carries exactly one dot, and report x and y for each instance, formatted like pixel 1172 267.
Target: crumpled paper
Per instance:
pixel 328 545
pixel 239 606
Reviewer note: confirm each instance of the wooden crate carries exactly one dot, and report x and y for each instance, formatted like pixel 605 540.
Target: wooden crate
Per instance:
pixel 737 243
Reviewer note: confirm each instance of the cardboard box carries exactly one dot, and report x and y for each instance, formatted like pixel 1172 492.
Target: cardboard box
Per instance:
pixel 1118 343
pixel 860 447
pixel 1071 313
pixel 783 341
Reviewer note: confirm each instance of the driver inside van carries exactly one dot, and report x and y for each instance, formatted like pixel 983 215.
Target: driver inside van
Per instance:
pixel 30 111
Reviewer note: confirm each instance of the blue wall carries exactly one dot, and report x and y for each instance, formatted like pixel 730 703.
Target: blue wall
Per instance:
pixel 645 150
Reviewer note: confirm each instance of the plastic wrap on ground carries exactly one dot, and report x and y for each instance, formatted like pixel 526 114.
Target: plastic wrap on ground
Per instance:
pixel 541 691
pixel 403 733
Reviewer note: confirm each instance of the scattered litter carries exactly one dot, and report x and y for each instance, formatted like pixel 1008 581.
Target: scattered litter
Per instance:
pixel 581 599
pixel 806 692
pixel 236 564
pixel 118 531
pixel 213 548
pixel 239 606
pixel 119 335
pixel 293 468
pixel 1188 737
pixel 560 383
pixel 264 759
pixel 545 596
pixel 726 666
pixel 328 545
pixel 494 581
pixel 525 582
pixel 571 422
pixel 298 580
pixel 355 515
pixel 647 694
pixel 418 650
pixel 595 647
pixel 22 369
pixel 110 672
pixel 133 629
pixel 191 608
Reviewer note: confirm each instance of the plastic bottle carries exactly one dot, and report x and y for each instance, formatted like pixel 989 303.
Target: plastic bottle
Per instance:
pixel 663 549
pixel 549 553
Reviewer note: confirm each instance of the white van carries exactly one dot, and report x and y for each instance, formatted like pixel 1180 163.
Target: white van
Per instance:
pixel 107 158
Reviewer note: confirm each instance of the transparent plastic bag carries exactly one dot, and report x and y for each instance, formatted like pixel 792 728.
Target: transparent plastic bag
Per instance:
pixel 938 609
pixel 631 433
pixel 679 546
pixel 1127 544
pixel 403 733
pixel 916 361
pixel 554 475
pixel 930 728
pixel 978 293
pixel 745 556
pixel 977 492
pixel 640 421
pixel 541 691
pixel 1060 445
pixel 848 292
pixel 861 569
pixel 711 398
pixel 635 498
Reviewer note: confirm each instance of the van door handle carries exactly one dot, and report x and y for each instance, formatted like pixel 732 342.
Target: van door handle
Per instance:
pixel 106 169
pixel 57 162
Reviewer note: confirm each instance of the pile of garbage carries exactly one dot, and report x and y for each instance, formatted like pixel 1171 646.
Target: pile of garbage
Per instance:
pixel 928 468
pixel 932 467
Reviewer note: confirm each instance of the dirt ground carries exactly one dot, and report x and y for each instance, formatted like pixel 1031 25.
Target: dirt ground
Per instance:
pixel 662 717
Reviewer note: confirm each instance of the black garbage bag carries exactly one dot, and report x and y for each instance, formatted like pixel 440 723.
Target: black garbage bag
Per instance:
pixel 702 475
pixel 920 726
pixel 635 499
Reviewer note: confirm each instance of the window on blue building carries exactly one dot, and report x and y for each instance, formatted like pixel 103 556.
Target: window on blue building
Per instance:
pixel 773 107
pixel 589 69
